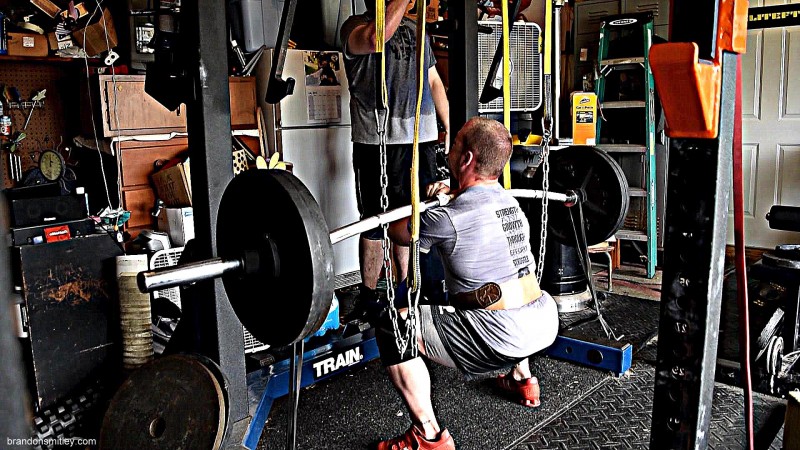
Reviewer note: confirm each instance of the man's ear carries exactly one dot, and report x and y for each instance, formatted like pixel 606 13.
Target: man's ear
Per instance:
pixel 467 158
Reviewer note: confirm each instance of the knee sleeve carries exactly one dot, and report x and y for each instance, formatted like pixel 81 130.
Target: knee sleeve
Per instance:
pixel 387 345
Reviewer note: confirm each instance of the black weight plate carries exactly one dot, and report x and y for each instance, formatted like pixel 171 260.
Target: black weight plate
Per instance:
pixel 285 305
pixel 599 181
pixel 173 402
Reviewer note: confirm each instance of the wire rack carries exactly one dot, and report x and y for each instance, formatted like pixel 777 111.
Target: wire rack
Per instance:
pixel 170 257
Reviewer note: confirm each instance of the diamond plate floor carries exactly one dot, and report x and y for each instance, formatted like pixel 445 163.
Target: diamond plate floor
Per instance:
pixel 633 320
pixel 616 415
pixel 581 407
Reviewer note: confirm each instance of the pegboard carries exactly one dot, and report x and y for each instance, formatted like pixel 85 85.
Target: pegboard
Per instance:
pixel 59 116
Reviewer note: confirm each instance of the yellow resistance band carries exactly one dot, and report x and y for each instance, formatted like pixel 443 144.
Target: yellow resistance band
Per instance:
pixel 414 282
pixel 506 86
pixel 380 45
pixel 548 38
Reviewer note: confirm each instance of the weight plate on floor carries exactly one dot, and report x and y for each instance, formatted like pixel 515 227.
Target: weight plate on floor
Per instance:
pixel 272 212
pixel 173 402
pixel 599 181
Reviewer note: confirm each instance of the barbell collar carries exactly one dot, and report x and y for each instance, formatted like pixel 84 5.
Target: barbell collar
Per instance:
pixel 184 274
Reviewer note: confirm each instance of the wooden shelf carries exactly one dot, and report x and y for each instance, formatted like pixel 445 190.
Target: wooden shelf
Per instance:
pixel 622 148
pixel 623 104
pixel 45 59
pixel 631 235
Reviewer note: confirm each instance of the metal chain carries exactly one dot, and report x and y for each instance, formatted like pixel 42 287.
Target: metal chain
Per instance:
pixel 402 340
pixel 545 201
pixel 413 304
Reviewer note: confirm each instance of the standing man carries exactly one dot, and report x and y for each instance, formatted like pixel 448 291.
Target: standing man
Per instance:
pixel 362 66
pixel 499 315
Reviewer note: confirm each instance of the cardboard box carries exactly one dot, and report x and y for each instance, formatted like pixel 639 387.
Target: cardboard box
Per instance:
pixel 59 42
pixel 47 7
pixel 584 118
pixel 95 35
pixel 174 185
pixel 178 223
pixel 27 44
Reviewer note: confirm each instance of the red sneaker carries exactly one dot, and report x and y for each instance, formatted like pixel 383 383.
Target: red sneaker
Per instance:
pixel 414 439
pixel 526 391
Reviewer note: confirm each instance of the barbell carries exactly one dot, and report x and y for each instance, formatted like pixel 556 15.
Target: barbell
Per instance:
pixel 288 252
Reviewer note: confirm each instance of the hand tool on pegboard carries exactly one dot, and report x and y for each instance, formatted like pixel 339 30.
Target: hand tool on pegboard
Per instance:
pixel 14 160
pixel 37 98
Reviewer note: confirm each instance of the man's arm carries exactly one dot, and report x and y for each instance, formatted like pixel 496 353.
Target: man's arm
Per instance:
pixel 399 230
pixel 361 40
pixel 441 104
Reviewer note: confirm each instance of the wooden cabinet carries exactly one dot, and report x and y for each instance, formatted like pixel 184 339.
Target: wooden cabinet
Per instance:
pixel 127 110
pixel 137 163
pixel 243 103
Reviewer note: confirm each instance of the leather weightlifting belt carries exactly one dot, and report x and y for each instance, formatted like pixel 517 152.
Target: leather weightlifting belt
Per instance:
pixel 510 294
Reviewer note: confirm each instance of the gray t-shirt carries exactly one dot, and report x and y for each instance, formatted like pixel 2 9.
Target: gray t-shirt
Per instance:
pixel 401 83
pixel 483 236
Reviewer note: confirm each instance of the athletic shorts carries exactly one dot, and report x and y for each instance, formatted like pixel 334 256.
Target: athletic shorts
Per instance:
pixel 451 341
pixel 367 168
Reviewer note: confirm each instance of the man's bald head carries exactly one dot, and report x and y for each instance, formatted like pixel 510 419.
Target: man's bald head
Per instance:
pixel 490 142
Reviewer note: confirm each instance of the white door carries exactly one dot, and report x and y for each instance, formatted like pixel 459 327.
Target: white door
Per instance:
pixel 770 129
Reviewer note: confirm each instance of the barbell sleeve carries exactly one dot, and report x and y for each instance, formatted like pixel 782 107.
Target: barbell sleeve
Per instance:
pixel 568 197
pixel 167 277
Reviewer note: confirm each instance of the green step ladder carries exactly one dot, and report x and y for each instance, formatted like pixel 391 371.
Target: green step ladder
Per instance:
pixel 627 26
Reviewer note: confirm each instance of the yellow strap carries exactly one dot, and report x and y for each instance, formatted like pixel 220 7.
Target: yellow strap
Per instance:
pixel 548 40
pixel 507 85
pixel 414 283
pixel 380 45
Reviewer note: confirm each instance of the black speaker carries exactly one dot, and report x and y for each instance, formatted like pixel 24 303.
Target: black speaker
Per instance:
pixel 36 233
pixel 26 212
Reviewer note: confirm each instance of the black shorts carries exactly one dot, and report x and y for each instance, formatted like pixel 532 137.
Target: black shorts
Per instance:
pixel 366 165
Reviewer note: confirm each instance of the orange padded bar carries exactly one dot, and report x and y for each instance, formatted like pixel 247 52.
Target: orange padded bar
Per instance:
pixel 689 90
pixel 732 29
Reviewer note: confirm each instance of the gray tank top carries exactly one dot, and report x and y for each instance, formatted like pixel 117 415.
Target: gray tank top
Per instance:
pixel 401 83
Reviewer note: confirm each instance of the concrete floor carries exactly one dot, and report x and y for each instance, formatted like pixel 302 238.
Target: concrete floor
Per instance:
pixel 629 280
